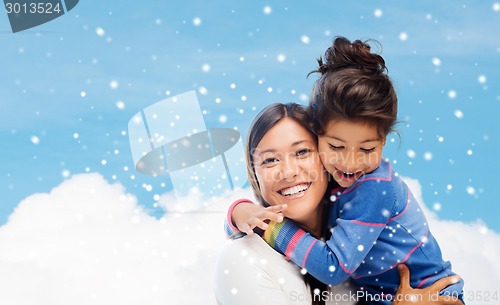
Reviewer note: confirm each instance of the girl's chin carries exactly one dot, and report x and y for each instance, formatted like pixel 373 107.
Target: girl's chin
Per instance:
pixel 344 183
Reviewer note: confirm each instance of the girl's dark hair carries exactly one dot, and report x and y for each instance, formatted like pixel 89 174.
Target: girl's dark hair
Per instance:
pixel 262 123
pixel 353 85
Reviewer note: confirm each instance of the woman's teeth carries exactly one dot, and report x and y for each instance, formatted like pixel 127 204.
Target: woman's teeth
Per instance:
pixel 294 189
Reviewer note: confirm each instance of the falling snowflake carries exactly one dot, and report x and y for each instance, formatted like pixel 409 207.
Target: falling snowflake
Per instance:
pixel 436 62
pixel 205 68
pixel 197 21
pixel 113 84
pixel 452 94
pixel 203 90
pixel 403 36
pixel 35 140
pixel 470 190
pixel 459 114
pixel 281 58
pixel 267 10
pixel 481 79
pixel 411 153
pixel 305 39
pixel 100 31
pixel 222 118
pixel 120 105
pixel 65 173
pixel 378 13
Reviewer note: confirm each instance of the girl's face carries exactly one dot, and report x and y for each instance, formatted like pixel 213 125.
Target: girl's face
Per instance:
pixel 350 149
pixel 289 170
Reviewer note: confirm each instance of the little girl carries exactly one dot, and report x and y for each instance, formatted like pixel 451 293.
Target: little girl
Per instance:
pixel 375 221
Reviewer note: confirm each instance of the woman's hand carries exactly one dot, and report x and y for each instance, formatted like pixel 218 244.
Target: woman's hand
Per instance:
pixel 247 216
pixel 426 296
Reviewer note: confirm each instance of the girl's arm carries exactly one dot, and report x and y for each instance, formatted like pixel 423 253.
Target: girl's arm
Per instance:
pixel 359 225
pixel 244 216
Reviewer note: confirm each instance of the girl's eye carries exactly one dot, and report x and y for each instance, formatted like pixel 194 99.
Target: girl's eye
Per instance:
pixel 303 152
pixel 367 150
pixel 335 147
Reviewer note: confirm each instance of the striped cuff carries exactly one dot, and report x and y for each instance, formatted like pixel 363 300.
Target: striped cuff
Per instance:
pixel 229 226
pixel 283 236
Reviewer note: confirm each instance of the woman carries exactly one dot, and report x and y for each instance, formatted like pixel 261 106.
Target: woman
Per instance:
pixel 284 169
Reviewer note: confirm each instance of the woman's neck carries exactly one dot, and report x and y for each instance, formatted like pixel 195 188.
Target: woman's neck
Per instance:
pixel 312 223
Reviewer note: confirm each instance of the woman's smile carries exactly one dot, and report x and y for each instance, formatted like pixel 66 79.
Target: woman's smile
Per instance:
pixel 295 191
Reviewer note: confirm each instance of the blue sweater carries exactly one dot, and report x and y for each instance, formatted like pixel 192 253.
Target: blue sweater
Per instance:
pixel 376 224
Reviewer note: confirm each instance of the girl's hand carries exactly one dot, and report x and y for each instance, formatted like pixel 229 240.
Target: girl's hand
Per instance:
pixel 426 296
pixel 247 216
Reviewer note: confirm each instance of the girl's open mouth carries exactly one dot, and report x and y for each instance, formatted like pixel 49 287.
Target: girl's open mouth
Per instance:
pixel 349 176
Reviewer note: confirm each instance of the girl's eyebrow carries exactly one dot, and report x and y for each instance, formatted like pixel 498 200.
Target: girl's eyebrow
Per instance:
pixel 365 141
pixel 335 138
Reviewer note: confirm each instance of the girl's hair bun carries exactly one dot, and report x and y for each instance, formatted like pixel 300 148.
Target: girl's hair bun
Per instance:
pixel 356 55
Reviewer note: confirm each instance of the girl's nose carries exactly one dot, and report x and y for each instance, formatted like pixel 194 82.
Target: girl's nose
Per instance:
pixel 349 161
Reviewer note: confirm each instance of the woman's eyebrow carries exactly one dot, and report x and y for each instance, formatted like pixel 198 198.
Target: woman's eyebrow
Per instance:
pixel 271 150
pixel 300 142
pixel 267 151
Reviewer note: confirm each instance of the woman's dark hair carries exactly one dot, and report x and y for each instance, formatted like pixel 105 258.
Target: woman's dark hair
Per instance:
pixel 263 122
pixel 354 86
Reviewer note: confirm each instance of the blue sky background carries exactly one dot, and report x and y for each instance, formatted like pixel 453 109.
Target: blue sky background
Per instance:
pixel 69 87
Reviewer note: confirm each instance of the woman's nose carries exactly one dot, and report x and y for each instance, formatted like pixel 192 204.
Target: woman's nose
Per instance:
pixel 289 169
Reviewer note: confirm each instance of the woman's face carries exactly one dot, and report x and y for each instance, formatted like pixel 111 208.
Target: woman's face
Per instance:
pixel 289 170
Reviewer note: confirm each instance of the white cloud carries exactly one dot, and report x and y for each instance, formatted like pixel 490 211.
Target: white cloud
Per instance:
pixel 89 242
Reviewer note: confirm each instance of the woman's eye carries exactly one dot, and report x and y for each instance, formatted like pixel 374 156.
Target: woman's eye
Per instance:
pixel 303 152
pixel 269 161
pixel 336 147
pixel 367 150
